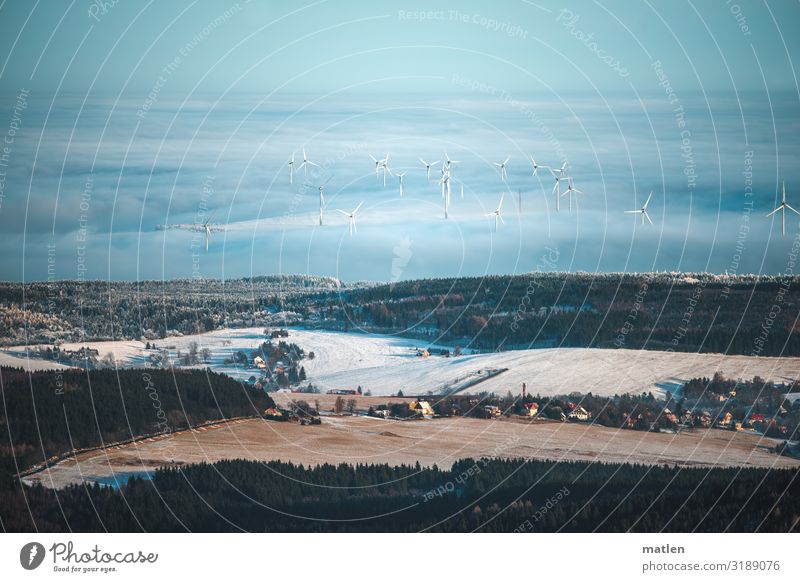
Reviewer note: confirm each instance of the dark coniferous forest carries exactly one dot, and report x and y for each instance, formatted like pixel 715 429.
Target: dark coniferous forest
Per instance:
pixel 483 495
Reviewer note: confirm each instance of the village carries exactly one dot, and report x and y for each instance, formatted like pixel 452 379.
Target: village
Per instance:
pixel 675 415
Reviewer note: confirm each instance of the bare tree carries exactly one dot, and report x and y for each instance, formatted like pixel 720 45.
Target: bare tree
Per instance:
pixel 338 406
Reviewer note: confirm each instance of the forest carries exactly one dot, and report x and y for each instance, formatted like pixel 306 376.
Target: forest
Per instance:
pixel 676 312
pixel 484 495
pixel 682 312
pixel 46 414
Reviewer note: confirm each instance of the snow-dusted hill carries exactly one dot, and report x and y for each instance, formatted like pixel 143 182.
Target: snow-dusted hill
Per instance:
pixel 385 364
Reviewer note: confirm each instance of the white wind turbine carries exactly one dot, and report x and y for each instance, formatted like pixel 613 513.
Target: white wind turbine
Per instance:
pixel 449 163
pixel 377 164
pixel 561 171
pixel 205 227
pixel 570 191
pixel 306 163
pixel 400 175
pixel 428 167
pixel 643 210
pixel 537 166
pixel 502 166
pixel 351 216
pixel 496 213
pixel 783 207
pixel 445 182
pixel 291 169
pixel 385 166
pixel 320 189
pixel 557 191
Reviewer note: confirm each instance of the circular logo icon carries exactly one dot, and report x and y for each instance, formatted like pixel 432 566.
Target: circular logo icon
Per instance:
pixel 31 555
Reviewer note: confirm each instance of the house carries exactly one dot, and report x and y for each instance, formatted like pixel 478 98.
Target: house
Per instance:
pixel 704 419
pixel 492 411
pixel 463 404
pixel 579 413
pixel 341 392
pixel 670 416
pixel 260 363
pixel 725 420
pixel 529 409
pixel 273 413
pixel 630 420
pixel 422 407
pixel 423 353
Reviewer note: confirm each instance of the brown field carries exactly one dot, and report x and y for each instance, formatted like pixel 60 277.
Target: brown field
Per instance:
pixel 354 439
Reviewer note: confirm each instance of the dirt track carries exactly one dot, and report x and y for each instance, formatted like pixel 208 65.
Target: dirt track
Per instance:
pixel 440 441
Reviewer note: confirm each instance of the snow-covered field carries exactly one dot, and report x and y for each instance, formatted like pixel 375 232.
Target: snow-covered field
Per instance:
pixel 386 364
pixel 16 358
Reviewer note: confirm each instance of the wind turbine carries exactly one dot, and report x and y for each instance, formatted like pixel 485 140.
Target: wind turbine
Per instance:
pixel 321 189
pixel 428 167
pixel 291 168
pixel 570 191
pixel 351 216
pixel 643 210
pixel 783 207
pixel 561 171
pixel 385 166
pixel 445 181
pixel 557 191
pixel 400 175
pixel 502 166
pixel 204 227
pixel 377 164
pixel 496 213
pixel 450 162
pixel 536 166
pixel 306 163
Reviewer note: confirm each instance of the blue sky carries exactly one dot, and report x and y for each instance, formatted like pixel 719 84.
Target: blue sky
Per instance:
pixel 120 114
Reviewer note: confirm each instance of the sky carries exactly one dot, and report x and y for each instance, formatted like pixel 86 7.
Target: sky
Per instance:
pixel 118 117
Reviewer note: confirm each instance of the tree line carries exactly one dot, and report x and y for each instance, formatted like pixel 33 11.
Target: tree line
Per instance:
pixel 485 495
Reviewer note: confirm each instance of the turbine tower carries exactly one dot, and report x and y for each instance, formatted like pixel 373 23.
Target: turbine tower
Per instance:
pixel 783 207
